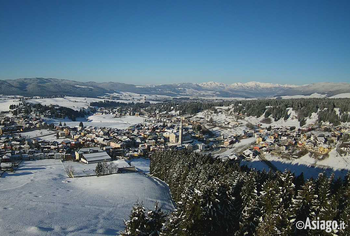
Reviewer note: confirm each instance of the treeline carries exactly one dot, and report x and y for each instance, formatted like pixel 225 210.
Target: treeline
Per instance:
pixel 278 109
pixel 60 112
pixel 185 107
pixel 55 111
pixel 216 197
pixel 182 106
pixel 113 104
pixel 188 107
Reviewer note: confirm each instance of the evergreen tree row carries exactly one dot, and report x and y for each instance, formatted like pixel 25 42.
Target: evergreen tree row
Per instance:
pixel 215 197
pixel 144 223
pixel 278 109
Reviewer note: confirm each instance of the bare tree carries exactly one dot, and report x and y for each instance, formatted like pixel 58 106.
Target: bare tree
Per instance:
pixel 70 171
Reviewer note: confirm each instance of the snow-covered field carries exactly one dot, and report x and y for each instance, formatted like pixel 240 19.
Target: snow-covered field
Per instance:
pixel 38 199
pixel 6 102
pixel 341 95
pixel 81 169
pixel 38 133
pixel 141 164
pixel 75 103
pixel 314 95
pixel 43 134
pixel 106 120
pixel 128 97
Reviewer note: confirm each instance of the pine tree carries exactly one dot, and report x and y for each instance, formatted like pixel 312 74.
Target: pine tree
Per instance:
pixel 99 169
pixel 172 225
pixel 155 221
pixel 328 202
pixel 287 193
pixel 250 210
pixel 136 225
pixel 177 223
pixel 305 204
pixel 299 181
pixel 344 206
pixel 270 207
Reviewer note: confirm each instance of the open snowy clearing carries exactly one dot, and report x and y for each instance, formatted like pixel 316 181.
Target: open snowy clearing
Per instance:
pixel 128 97
pixel 43 134
pixel 314 95
pixel 81 169
pixel 6 102
pixel 38 133
pixel 38 199
pixel 75 103
pixel 341 95
pixel 105 120
pixel 141 164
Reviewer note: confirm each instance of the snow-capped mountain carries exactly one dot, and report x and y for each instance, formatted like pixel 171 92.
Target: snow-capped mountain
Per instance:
pixel 249 86
pixel 212 84
pixel 258 85
pixel 49 87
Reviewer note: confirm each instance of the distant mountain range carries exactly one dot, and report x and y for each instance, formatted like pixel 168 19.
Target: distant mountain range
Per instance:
pixel 49 87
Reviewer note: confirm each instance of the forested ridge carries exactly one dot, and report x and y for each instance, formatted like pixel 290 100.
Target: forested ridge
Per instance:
pixel 215 197
pixel 278 109
pixel 334 111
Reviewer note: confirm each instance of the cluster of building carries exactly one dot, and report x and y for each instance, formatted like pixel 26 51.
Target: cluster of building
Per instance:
pixel 288 142
pixel 81 143
pixel 159 131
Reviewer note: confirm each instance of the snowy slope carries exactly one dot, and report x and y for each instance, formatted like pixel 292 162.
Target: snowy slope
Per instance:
pixel 39 200
pixel 141 164
pixel 314 95
pixel 75 103
pixel 341 95
pixel 310 166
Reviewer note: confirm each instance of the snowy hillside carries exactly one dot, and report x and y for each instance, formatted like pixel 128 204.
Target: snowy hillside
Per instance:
pixel 46 202
pixel 314 95
pixel 341 95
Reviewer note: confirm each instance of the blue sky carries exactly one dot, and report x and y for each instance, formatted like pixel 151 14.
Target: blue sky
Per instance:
pixel 156 42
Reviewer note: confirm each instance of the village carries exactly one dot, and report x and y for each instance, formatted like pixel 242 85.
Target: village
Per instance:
pixel 28 136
